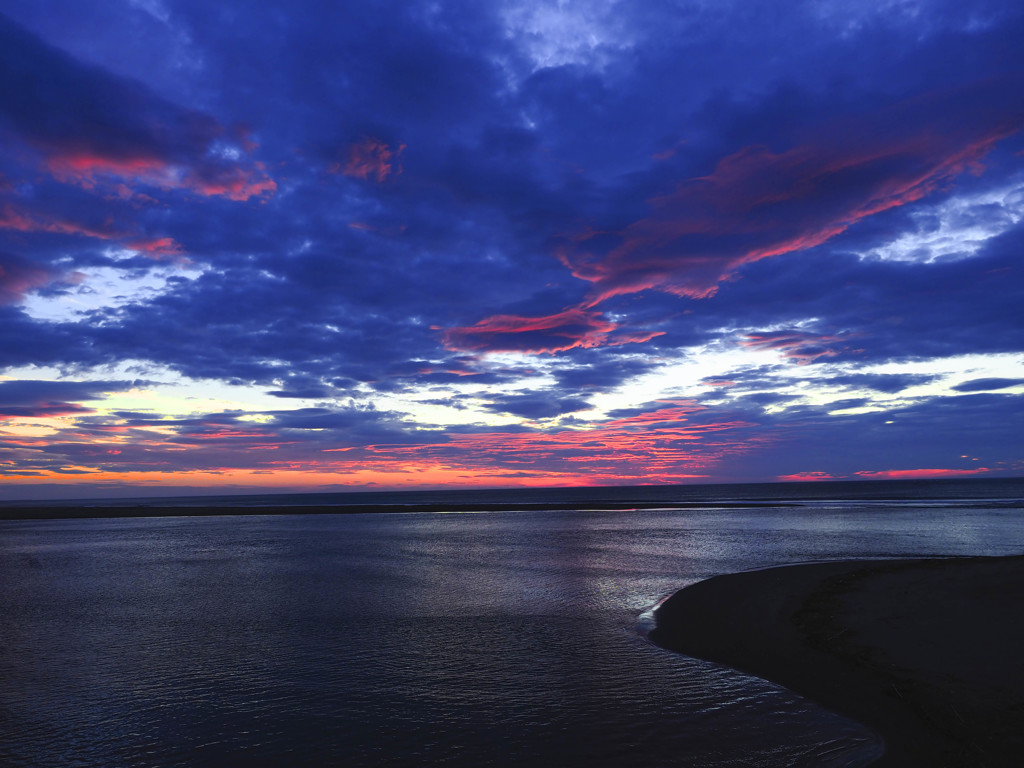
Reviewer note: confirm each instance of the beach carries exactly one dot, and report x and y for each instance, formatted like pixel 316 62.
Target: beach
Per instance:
pixel 927 652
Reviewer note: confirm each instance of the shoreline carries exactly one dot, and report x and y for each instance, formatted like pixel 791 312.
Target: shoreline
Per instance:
pixel 927 653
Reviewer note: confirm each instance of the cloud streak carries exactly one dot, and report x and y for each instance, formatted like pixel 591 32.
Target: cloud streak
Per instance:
pixel 572 329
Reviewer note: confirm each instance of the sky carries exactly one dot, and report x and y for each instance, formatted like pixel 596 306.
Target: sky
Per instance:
pixel 310 245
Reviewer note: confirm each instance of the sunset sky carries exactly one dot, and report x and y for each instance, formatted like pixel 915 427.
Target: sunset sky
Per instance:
pixel 352 245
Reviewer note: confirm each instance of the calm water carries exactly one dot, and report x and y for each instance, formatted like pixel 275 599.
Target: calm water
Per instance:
pixel 485 639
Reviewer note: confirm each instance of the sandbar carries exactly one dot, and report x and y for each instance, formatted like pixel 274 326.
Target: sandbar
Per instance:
pixel 928 653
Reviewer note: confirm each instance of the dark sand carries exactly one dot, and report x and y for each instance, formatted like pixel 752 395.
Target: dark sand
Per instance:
pixel 928 653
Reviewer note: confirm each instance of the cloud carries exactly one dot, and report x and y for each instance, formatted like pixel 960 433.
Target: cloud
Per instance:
pixel 368 158
pixel 95 129
pixel 157 247
pixel 956 228
pixel 18 277
pixel 537 405
pixel 983 385
pixel 804 477
pixel 877 311
pixel 42 411
pixel 918 474
pixel 668 442
pixel 759 203
pixel 801 347
pixel 599 371
pixel 889 383
pixel 663 442
pixel 559 332
pixel 197 171
pixel 567 33
pixel 20 218
pixel 26 398
pixel 962 434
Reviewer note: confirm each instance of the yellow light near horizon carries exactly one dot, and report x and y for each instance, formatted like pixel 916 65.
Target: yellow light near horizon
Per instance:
pixel 37 427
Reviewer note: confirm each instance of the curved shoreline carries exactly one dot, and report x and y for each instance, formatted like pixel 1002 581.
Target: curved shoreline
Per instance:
pixel 927 653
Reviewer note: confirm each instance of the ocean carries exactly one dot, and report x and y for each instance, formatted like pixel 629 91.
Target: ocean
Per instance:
pixel 420 638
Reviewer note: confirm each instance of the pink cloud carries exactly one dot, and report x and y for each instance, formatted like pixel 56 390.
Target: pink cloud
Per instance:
pixel 368 158
pixel 565 330
pixel 158 247
pixel 20 219
pixel 806 477
pixel 801 347
pixel 909 474
pixel 668 443
pixel 661 445
pixel 112 134
pixel 204 177
pixel 231 181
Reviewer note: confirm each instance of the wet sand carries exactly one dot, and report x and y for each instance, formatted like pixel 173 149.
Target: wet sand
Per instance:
pixel 927 653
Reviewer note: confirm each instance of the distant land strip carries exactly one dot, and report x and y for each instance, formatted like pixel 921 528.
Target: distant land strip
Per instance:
pixel 78 510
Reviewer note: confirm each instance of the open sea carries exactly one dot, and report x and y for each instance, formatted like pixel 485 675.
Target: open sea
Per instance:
pixel 425 638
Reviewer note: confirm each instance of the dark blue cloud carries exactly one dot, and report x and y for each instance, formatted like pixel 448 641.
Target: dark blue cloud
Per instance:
pixel 28 399
pixel 537 405
pixel 985 385
pixel 593 370
pixel 882 382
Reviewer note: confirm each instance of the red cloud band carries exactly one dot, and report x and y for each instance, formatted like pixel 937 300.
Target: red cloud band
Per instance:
pixel 205 177
pixel 565 330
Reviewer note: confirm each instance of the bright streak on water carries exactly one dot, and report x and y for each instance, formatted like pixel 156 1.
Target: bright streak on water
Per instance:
pixel 493 639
